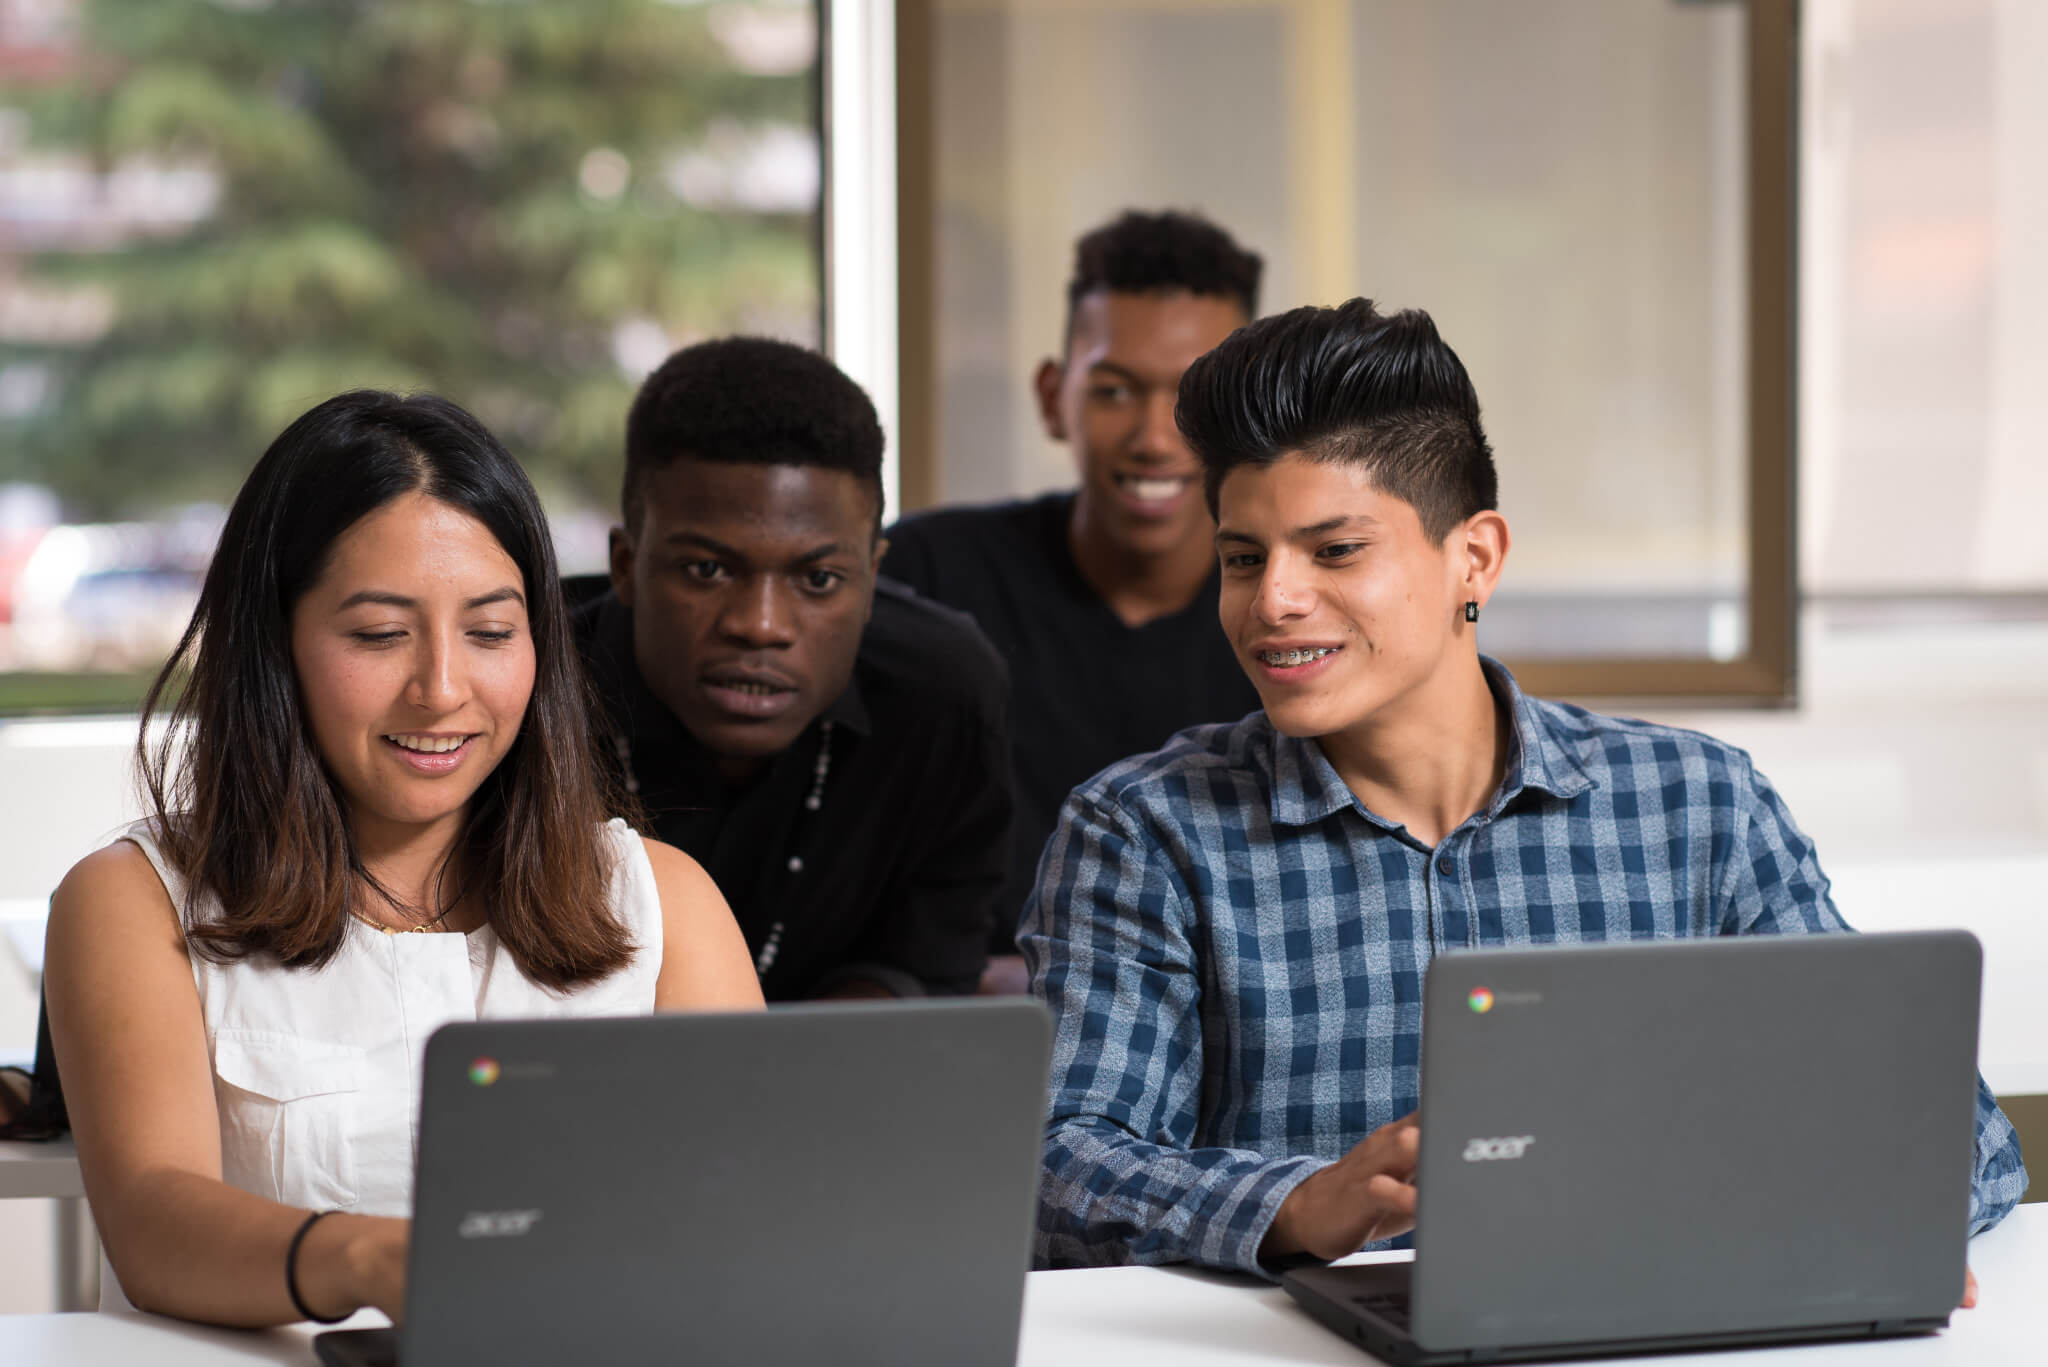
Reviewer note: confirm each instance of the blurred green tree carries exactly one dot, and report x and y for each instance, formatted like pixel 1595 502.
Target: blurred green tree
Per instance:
pixel 469 196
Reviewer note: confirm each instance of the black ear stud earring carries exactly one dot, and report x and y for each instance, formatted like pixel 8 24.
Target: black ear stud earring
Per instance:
pixel 1471 610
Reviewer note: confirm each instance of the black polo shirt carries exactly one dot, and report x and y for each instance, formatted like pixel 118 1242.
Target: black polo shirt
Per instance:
pixel 894 872
pixel 1086 690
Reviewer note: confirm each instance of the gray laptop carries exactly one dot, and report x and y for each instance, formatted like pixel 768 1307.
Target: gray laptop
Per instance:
pixel 1681 1144
pixel 846 1184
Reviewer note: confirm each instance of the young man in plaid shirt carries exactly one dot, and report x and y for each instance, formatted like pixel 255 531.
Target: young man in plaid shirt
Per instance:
pixel 1232 932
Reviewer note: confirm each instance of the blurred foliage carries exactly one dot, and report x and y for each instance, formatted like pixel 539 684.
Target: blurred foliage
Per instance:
pixel 23 693
pixel 400 207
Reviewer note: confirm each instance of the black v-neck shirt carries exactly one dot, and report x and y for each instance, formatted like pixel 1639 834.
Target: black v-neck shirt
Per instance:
pixel 1086 690
pixel 894 875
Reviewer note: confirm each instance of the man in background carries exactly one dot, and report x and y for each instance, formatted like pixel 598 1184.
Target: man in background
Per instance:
pixel 833 751
pixel 1103 597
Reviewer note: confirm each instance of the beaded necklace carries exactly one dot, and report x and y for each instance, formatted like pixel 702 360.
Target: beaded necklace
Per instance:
pixel 813 800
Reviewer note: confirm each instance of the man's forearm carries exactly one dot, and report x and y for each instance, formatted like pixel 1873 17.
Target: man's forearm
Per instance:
pixel 2000 1176
pixel 1109 1198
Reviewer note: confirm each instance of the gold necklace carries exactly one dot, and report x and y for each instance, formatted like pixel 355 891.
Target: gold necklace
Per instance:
pixel 422 928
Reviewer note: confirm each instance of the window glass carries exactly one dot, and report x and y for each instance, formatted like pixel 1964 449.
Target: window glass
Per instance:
pixel 215 213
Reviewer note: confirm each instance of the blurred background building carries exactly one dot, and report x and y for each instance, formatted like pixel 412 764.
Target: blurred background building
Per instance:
pixel 214 214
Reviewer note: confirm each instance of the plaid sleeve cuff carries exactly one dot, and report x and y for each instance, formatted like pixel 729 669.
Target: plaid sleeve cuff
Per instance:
pixel 1109 1199
pixel 1245 1211
pixel 2001 1177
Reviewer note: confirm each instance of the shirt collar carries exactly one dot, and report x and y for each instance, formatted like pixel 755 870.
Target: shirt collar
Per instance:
pixel 1540 757
pixel 850 709
pixel 1306 787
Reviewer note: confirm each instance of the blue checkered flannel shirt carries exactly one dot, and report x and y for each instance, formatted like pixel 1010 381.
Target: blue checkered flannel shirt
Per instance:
pixel 1233 948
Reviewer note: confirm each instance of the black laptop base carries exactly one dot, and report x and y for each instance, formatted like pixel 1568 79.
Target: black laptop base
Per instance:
pixel 1367 1305
pixel 357 1347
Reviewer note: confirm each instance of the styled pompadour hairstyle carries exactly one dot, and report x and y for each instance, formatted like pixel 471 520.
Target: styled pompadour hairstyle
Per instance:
pixel 1144 253
pixel 750 401
pixel 1351 385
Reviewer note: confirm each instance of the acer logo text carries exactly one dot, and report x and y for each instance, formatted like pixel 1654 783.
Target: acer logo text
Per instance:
pixel 496 1224
pixel 1487 1150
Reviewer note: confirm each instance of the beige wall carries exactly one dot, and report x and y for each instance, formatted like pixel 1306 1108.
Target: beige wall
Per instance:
pixel 1925 318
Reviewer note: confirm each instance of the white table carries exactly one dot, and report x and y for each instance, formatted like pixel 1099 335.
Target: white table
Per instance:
pixel 1157 1317
pixel 30 1170
pixel 50 1170
pixel 1152 1317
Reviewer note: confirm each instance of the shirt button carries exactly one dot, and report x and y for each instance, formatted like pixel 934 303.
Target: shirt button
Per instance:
pixel 1443 866
pixel 796 864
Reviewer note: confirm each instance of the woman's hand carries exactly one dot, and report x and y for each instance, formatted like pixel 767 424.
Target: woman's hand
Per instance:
pixel 350 1261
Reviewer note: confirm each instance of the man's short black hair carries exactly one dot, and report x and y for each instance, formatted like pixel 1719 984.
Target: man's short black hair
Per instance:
pixel 750 401
pixel 1345 384
pixel 1141 253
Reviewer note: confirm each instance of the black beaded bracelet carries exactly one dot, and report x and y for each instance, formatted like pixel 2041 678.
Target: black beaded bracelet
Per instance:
pixel 291 1272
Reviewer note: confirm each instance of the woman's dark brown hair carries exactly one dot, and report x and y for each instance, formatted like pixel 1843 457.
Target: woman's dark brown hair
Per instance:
pixel 245 808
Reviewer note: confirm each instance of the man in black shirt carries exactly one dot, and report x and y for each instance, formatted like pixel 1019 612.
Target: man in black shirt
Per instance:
pixel 832 749
pixel 1103 598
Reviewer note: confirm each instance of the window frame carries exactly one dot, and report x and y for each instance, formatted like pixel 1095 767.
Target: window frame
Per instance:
pixel 1766 673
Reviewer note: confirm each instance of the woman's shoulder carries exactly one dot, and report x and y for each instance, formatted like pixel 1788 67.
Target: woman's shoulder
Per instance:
pixel 705 961
pixel 119 864
pixel 119 884
pixel 653 880
pixel 634 857
pixel 623 840
pixel 673 870
pixel 685 892
pixel 135 852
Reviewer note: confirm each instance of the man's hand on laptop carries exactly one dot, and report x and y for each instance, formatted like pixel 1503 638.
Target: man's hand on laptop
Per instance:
pixel 1969 1289
pixel 1367 1194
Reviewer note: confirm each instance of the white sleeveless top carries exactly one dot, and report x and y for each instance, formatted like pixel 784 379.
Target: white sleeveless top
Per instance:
pixel 316 1071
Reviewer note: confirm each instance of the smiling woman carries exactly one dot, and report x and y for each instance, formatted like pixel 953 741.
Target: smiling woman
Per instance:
pixel 383 730
pixel 414 697
pixel 371 590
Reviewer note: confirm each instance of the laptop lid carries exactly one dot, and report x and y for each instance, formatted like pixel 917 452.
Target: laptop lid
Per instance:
pixel 1697 1137
pixel 850 1183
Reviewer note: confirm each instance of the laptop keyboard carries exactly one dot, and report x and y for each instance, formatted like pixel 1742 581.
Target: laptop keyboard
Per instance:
pixel 1391 1306
pixel 357 1347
